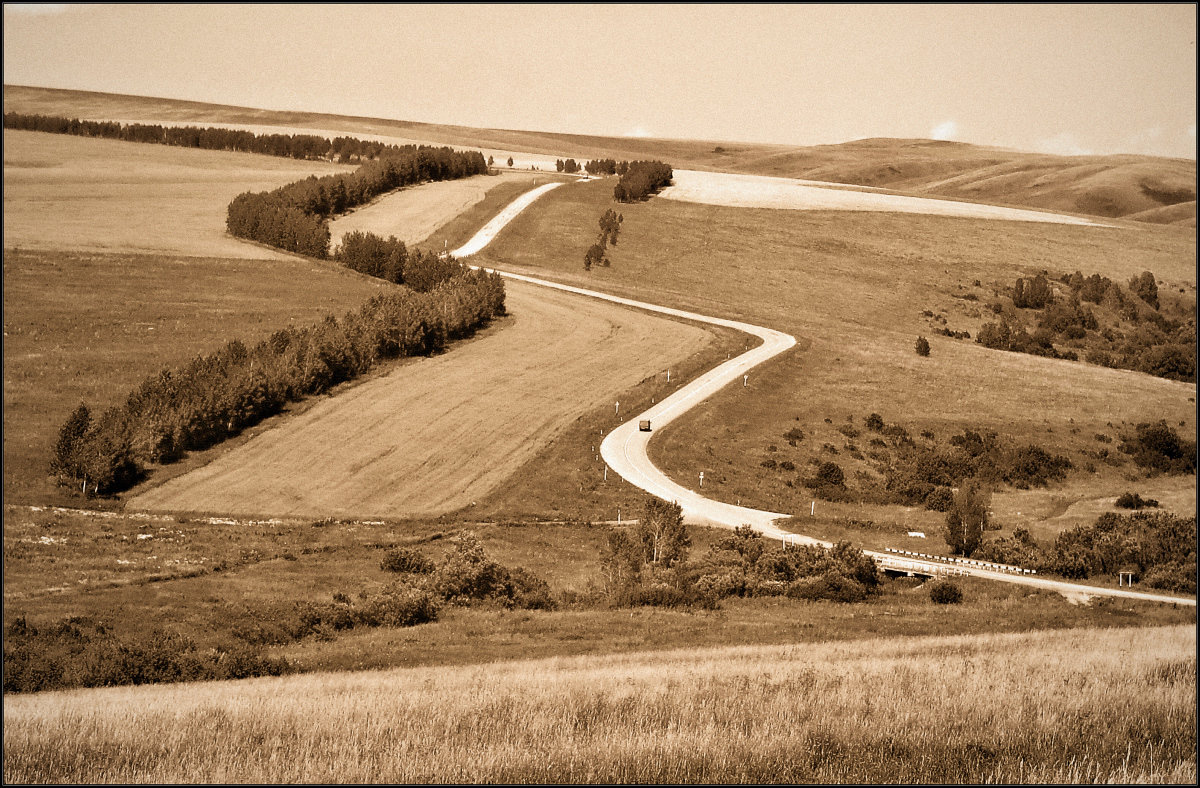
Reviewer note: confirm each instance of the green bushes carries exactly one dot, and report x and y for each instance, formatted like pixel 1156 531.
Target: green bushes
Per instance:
pixel 740 564
pixel 407 560
pixel 1131 329
pixel 1157 447
pixel 1131 500
pixel 945 592
pixel 80 652
pixel 217 396
pixel 1160 546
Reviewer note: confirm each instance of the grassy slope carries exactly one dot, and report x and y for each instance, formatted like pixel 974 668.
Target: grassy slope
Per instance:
pixel 1100 185
pixel 994 708
pixel 852 287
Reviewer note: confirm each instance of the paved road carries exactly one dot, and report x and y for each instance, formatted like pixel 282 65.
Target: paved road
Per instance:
pixel 624 448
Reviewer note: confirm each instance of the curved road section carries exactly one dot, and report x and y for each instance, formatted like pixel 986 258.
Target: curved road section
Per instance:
pixel 625 447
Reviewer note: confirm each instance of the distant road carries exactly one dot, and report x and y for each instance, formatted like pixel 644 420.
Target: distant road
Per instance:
pixel 624 448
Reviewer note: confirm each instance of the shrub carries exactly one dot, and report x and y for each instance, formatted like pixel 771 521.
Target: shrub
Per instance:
pixel 405 559
pixel 1157 447
pixel 874 422
pixel 400 606
pixel 922 346
pixel 945 592
pixel 1131 500
pixel 939 499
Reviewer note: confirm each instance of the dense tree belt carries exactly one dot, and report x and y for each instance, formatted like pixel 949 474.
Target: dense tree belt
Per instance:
pixel 297 146
pixel 215 397
pixel 293 217
pixel 642 179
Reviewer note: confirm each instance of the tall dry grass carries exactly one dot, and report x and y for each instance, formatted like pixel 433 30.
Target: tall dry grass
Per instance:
pixel 1070 706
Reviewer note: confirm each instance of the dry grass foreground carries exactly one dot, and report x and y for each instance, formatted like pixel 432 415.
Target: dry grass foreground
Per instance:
pixel 1084 705
pixel 75 193
pixel 436 434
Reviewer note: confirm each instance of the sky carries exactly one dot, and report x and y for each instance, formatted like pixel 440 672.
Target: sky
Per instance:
pixel 1058 78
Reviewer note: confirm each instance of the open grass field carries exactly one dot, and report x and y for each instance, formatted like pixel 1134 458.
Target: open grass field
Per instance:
pixel 75 193
pixel 852 287
pixel 439 433
pixel 964 709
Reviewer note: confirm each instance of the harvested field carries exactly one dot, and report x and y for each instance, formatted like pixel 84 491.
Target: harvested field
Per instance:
pixel 413 213
pixel 758 191
pixel 81 194
pixel 438 433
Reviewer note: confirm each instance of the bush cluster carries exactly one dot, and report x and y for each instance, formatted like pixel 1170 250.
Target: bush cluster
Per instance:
pixel 81 652
pixel 945 592
pixel 1131 500
pixel 1126 329
pixel 642 179
pixel 217 396
pixel 1159 547
pixel 468 575
pixel 1157 447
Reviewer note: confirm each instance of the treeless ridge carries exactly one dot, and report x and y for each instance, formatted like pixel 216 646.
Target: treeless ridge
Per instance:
pixel 437 433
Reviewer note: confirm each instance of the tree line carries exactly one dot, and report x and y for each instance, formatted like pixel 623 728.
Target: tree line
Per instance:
pixel 642 179
pixel 610 228
pixel 215 397
pixel 293 217
pixel 297 146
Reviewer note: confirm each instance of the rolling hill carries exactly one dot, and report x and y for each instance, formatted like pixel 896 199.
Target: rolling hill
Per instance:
pixel 1143 188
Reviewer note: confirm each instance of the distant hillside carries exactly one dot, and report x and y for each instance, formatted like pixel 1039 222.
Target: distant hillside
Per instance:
pixel 1143 188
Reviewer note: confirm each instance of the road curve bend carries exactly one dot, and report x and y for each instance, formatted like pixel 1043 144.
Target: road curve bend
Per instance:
pixel 625 447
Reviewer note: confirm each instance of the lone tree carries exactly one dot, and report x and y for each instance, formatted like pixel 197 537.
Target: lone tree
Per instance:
pixel 510 161
pixel 968 517
pixel 664 536
pixel 1145 288
pixel 922 346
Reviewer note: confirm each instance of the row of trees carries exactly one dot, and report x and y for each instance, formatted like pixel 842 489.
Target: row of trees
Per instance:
pixel 296 146
pixel 390 259
pixel 293 217
pixel 217 396
pixel 642 179
pixel 610 228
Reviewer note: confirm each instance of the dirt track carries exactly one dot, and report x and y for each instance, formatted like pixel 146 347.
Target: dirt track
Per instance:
pixel 379 449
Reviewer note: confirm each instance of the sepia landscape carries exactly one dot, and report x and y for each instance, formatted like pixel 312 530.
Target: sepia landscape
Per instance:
pixel 341 448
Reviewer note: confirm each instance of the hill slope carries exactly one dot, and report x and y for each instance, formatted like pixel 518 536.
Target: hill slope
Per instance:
pixel 1145 188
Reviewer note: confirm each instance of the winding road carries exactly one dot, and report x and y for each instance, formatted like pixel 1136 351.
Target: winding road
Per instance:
pixel 625 447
